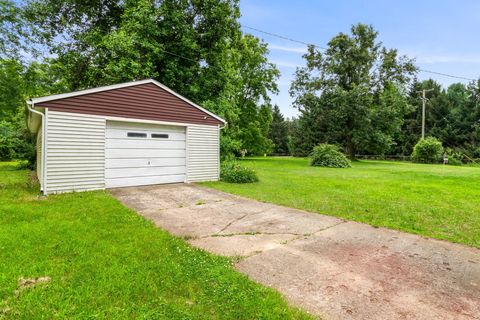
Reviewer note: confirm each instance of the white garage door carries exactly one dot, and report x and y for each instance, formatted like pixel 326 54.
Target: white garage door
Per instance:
pixel 143 154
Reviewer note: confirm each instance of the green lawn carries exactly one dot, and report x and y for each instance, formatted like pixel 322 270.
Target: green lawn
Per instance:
pixel 106 262
pixel 432 200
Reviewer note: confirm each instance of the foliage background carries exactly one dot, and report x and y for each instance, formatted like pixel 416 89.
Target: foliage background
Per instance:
pixel 357 93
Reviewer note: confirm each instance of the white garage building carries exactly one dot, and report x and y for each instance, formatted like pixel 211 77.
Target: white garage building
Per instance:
pixel 129 134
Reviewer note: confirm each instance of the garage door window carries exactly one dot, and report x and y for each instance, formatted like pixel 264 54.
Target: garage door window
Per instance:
pixel 160 135
pixel 136 135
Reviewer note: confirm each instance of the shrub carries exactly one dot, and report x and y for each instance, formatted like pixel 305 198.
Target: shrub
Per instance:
pixel 455 158
pixel 427 150
pixel 328 155
pixel 232 171
pixel 454 162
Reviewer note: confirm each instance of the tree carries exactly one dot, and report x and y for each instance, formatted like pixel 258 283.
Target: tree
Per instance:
pixel 353 94
pixel 12 86
pixel 451 116
pixel 279 132
pixel 296 145
pixel 12 29
pixel 462 130
pixel 473 107
pixel 253 78
pixel 17 84
pixel 194 47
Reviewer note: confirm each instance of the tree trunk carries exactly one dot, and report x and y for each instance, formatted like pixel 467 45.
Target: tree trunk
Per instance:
pixel 350 148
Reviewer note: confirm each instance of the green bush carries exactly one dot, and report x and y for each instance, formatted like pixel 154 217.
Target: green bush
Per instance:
pixel 427 150
pixel 232 171
pixel 328 155
pixel 454 162
pixel 455 158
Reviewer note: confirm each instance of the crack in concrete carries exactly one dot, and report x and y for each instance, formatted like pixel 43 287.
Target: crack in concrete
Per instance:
pixel 308 235
pixel 238 219
pixel 298 236
pixel 254 253
pixel 304 236
pixel 329 227
pixel 231 222
pixel 252 233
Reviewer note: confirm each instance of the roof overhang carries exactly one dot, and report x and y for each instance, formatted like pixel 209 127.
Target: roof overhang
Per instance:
pixel 118 86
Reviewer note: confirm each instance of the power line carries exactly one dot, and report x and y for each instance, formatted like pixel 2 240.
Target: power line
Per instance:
pixel 468 156
pixel 305 43
pixel 447 75
pixel 178 56
pixel 316 46
pixel 323 48
pixel 422 70
pixel 284 37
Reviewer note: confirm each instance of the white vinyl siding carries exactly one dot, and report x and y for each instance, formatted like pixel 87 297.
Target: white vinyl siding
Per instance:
pixel 75 152
pixel 86 152
pixel 203 153
pixel 38 146
pixel 142 160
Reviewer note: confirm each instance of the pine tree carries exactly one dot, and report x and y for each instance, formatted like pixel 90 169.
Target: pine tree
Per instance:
pixel 279 132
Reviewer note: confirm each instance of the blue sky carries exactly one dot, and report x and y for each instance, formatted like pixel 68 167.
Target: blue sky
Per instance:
pixel 442 35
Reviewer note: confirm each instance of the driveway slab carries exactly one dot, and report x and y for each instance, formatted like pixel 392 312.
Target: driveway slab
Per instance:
pixel 242 244
pixel 334 268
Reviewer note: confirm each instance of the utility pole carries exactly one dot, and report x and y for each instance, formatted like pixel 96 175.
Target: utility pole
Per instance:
pixel 424 101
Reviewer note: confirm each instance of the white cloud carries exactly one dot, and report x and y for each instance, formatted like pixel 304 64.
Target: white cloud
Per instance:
pixel 296 49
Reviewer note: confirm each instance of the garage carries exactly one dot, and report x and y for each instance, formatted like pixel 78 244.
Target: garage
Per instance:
pixel 144 154
pixel 130 134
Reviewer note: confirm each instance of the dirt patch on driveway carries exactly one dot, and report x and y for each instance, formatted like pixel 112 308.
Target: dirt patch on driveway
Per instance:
pixel 333 268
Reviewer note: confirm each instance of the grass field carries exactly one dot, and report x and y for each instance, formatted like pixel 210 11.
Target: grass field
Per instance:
pixel 104 261
pixel 433 200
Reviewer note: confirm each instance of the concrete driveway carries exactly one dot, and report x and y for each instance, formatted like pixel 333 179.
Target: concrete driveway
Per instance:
pixel 330 267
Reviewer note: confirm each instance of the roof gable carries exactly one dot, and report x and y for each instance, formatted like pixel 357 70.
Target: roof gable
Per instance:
pixel 146 99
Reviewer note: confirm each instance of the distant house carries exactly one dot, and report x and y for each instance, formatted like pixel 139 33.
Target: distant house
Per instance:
pixel 129 134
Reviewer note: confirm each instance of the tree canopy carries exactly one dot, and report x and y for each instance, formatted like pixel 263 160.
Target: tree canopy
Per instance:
pixel 353 94
pixel 452 116
pixel 12 29
pixel 194 47
pixel 356 94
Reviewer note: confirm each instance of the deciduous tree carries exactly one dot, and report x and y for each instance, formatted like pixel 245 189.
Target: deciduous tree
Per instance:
pixel 352 94
pixel 194 47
